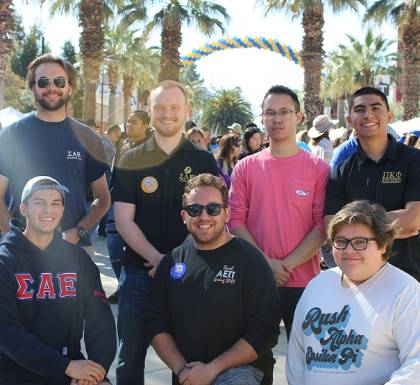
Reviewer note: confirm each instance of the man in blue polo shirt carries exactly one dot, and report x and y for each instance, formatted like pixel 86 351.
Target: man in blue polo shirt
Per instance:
pixel 147 196
pixel 382 171
pixel 48 142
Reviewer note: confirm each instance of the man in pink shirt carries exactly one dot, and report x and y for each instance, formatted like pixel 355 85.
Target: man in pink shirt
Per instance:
pixel 277 200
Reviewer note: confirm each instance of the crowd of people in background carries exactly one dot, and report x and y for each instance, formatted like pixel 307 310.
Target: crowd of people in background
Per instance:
pixel 215 238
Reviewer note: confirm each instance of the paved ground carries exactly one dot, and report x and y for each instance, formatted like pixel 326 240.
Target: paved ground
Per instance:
pixel 156 372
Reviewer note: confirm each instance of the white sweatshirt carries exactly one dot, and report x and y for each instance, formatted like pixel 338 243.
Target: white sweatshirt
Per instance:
pixel 357 335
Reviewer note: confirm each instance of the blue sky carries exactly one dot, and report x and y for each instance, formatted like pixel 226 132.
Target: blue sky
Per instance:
pixel 251 69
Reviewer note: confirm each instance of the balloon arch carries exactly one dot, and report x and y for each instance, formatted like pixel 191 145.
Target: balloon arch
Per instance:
pixel 247 42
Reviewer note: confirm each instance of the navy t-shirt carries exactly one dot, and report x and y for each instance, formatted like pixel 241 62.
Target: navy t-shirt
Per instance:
pixel 67 151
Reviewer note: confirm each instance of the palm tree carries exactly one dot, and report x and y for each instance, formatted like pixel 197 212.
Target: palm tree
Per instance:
pixel 369 56
pixel 6 42
pixel 312 12
pixel 91 14
pixel 406 15
pixel 224 108
pixel 114 49
pixel 138 64
pixel 205 14
pixel 354 65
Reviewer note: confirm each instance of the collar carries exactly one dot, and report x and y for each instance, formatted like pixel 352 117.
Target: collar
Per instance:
pixel 184 145
pixel 390 152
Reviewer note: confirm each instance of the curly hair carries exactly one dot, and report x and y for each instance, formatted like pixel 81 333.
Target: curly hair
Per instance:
pixel 205 180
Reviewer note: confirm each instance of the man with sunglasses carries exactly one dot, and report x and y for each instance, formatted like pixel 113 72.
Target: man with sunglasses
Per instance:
pixel 277 200
pixel 214 314
pixel 147 196
pixel 384 172
pixel 48 142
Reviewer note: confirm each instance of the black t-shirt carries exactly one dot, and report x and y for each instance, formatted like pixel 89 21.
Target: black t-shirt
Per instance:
pixel 392 182
pixel 154 181
pixel 208 300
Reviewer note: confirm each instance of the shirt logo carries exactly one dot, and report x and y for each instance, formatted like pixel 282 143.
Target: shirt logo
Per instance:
pixel 335 344
pixel 226 275
pixel 302 193
pixel 185 176
pixel 392 177
pixel 178 270
pixel 74 155
pixel 49 286
pixel 149 184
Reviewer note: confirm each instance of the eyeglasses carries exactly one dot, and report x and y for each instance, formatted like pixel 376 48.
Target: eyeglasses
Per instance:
pixel 270 114
pixel 195 210
pixel 44 82
pixel 359 243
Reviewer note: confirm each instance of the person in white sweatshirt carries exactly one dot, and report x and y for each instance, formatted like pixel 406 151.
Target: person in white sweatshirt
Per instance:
pixel 358 323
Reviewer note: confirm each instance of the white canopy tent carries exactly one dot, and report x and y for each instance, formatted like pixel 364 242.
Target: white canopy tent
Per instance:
pixel 10 115
pixel 404 127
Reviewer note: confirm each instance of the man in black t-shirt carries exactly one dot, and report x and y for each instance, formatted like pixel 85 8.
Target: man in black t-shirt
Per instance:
pixel 382 171
pixel 214 310
pixel 147 195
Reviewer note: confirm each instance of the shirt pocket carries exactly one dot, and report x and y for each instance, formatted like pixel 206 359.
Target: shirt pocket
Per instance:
pixel 301 194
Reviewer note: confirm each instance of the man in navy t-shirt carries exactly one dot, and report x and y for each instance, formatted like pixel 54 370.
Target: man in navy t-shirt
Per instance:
pixel 48 142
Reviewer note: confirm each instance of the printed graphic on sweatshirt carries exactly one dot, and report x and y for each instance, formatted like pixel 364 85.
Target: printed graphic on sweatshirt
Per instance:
pixel 339 348
pixel 226 275
pixel 47 286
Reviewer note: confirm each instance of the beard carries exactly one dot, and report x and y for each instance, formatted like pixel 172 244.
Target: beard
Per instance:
pixel 51 106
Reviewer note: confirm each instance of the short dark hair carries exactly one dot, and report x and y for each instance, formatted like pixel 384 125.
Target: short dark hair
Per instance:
pixel 142 115
pixel 113 128
pixel 369 214
pixel 282 90
pixel 250 124
pixel 205 180
pixel 48 58
pixel 368 91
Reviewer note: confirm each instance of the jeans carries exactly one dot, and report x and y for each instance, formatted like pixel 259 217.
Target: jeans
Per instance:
pixel 289 297
pixel 133 300
pixel 115 245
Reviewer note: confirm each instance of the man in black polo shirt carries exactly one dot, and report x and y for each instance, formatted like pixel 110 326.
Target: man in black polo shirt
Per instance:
pixel 147 199
pixel 382 171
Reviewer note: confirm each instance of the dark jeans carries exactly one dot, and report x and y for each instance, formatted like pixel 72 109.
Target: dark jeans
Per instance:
pixel 115 245
pixel 289 297
pixel 133 299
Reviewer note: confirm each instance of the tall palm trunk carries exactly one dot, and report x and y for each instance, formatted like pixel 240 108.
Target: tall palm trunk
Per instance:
pixel 171 38
pixel 312 57
pixel 410 85
pixel 113 80
pixel 91 50
pixel 128 82
pixel 6 43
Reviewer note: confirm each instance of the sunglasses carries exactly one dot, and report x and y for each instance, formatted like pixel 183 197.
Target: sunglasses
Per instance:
pixel 44 82
pixel 195 210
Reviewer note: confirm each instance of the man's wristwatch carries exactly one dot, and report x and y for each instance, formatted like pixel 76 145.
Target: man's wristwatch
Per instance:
pixel 81 232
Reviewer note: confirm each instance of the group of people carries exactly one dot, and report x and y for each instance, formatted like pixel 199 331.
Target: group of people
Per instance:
pixel 207 269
